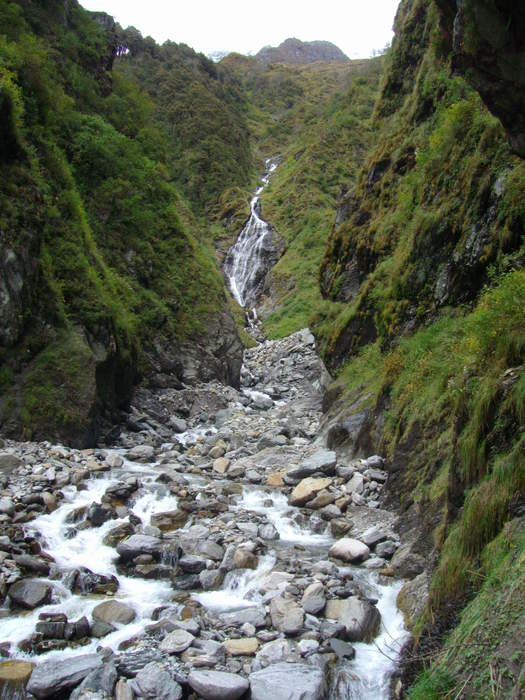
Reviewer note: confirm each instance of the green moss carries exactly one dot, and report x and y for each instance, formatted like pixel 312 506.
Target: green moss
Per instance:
pixel 58 390
pixel 485 653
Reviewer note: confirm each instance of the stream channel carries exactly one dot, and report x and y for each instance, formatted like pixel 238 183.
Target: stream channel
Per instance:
pixel 241 558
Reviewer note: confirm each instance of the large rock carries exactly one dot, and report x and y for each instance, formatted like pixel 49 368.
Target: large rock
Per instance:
pixel 307 489
pixel 356 484
pixel 156 683
pixel 176 642
pixel 113 611
pixel 406 563
pixel 288 682
pixel 141 453
pixel 361 620
pixel 246 646
pixel 30 593
pixel 171 520
pixel 244 559
pixel 117 534
pixel 51 678
pixel 413 597
pixel 178 425
pixel 286 615
pixel 350 550
pixel 13 678
pixel 274 652
pixel 255 616
pixel 322 461
pixel 204 652
pixel 334 609
pixel 9 462
pixel 84 581
pixel 7 507
pixel 220 465
pixel 216 685
pixel 313 600
pixel 114 460
pixel 98 685
pixel 138 544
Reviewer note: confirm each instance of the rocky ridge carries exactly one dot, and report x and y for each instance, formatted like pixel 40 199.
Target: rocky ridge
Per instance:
pixel 294 51
pixel 218 546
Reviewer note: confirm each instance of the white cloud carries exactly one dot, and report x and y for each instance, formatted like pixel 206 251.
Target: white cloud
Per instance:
pixel 356 26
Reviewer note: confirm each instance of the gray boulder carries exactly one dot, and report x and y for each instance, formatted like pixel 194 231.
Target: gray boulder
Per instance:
pixel 178 425
pixel 361 620
pixel 286 615
pixel 154 682
pixel 350 550
pixel 9 462
pixel 141 453
pixel 113 611
pixel 99 684
pixel 322 461
pixel 138 544
pixel 274 652
pixel 50 678
pixel 7 507
pixel 313 600
pixel 255 616
pixel 268 532
pixel 288 682
pixel 406 563
pixel 217 685
pixel 30 593
pixel 176 642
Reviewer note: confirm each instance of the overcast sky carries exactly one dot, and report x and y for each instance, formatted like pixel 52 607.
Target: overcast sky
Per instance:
pixel 358 27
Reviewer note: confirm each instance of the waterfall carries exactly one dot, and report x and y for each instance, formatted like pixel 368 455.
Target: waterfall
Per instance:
pixel 246 263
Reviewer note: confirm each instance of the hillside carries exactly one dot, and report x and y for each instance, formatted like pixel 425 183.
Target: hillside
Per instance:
pixel 105 270
pixel 397 219
pixel 424 277
pixel 294 51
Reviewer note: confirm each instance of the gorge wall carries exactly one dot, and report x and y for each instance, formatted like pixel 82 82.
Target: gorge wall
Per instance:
pixel 105 274
pixel 126 171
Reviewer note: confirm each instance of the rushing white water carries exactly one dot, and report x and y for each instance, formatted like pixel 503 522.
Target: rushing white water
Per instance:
pixel 366 677
pixel 244 265
pixel 241 589
pixel 279 514
pixel 374 663
pixel 86 549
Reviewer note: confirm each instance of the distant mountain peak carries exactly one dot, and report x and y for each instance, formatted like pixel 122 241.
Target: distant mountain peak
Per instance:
pixel 301 52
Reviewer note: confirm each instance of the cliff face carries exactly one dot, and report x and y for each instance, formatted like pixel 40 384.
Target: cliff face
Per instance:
pixel 487 40
pixel 424 287
pixel 105 278
pixel 294 51
pixel 429 215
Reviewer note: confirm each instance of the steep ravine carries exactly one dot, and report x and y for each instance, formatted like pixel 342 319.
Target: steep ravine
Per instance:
pixel 216 547
pixel 207 559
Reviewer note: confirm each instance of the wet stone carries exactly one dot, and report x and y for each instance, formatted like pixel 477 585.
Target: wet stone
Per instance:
pixel 30 593
pixel 217 685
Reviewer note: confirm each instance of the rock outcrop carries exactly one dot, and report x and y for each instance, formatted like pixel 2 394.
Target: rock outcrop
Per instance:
pixel 487 41
pixel 294 51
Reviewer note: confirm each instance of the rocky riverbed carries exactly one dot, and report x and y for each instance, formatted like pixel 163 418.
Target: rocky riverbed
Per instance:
pixel 218 550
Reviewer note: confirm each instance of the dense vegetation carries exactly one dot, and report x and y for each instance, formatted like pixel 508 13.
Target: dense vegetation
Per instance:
pixel 424 325
pixel 124 163
pixel 105 259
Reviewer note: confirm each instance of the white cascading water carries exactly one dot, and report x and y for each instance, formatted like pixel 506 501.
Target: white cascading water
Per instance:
pixel 244 266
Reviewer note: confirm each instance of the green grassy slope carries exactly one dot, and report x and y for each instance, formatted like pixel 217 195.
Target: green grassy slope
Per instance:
pixel 200 111
pixel 105 258
pixel 426 332
pixel 315 118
